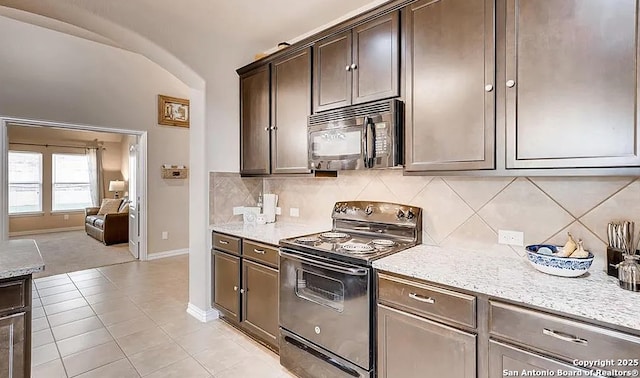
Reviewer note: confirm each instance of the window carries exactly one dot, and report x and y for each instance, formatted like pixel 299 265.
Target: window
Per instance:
pixel 25 182
pixel 71 183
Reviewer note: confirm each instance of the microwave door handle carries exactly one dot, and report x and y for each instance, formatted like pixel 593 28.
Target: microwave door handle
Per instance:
pixel 365 140
pixel 371 141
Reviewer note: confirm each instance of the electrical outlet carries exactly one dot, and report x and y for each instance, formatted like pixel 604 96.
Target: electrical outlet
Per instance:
pixel 511 237
pixel 278 211
pixel 294 212
pixel 165 235
pixel 65 217
pixel 238 210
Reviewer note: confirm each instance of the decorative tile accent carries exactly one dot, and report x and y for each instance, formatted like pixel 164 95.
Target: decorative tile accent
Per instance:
pixel 464 212
pixel 580 194
pixel 405 188
pixel 443 209
pixel 475 234
pixel 624 205
pixel 477 191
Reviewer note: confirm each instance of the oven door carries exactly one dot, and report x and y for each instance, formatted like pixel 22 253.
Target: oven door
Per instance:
pixel 327 303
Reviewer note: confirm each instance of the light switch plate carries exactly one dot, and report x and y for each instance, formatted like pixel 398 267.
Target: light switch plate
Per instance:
pixel 294 212
pixel 511 237
pixel 278 211
pixel 165 235
pixel 238 210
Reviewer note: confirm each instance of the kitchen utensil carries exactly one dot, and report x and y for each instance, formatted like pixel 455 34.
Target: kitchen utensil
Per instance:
pixel 614 258
pixel 629 273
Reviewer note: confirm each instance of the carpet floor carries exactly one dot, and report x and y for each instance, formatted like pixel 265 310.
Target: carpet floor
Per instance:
pixel 70 251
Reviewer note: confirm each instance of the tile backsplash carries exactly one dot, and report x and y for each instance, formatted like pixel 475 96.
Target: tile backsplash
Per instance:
pixel 462 212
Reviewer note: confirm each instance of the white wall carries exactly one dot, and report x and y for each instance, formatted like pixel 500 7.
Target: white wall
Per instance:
pixel 48 75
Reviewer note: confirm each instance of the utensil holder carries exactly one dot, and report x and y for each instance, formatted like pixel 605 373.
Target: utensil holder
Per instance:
pixel 614 257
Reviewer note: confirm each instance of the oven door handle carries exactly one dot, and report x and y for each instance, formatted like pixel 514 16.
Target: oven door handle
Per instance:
pixel 335 268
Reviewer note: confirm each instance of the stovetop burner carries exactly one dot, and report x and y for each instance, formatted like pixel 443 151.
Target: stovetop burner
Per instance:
pixel 334 235
pixel 357 247
pixel 363 232
pixel 383 242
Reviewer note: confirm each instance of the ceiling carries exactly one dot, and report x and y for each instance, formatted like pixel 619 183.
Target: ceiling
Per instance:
pixel 195 31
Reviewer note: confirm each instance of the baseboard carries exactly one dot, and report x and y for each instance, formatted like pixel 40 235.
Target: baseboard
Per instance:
pixel 162 255
pixel 46 231
pixel 203 316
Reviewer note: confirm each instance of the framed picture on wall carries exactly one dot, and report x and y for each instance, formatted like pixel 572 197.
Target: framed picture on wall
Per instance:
pixel 173 111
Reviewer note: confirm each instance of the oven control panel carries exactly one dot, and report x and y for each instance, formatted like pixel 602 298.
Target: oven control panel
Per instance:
pixel 382 139
pixel 382 212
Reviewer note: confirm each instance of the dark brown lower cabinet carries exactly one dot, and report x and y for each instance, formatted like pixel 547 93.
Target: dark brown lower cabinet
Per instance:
pixel 505 359
pixel 411 346
pixel 260 300
pixel 226 285
pixel 15 327
pixel 245 287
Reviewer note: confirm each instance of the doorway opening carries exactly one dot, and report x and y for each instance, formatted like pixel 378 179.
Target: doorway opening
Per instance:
pixel 78 190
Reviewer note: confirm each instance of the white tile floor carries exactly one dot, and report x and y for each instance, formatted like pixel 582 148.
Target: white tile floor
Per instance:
pixel 130 320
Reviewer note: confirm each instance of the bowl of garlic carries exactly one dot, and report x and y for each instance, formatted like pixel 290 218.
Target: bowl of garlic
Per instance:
pixel 570 260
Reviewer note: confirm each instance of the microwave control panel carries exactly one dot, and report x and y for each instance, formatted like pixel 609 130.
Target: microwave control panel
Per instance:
pixel 382 139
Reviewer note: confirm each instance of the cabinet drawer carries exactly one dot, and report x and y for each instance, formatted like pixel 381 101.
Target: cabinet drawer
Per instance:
pixel 260 252
pixel 428 300
pixel 12 295
pixel 226 243
pixel 569 339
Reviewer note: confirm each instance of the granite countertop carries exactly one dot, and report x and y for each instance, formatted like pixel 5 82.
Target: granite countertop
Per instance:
pixel 595 295
pixel 19 258
pixel 270 233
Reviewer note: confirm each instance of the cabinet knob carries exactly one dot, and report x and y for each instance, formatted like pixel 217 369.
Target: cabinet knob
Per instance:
pixel 267 128
pixel 274 128
pixel 241 291
pixel 235 288
pixel 347 68
pixel 354 66
pixel 488 88
pixel 511 83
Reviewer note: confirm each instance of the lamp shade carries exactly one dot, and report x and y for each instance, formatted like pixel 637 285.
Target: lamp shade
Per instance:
pixel 116 186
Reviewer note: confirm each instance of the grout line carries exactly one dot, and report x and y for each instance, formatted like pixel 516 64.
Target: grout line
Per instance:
pixel 608 198
pixel 495 195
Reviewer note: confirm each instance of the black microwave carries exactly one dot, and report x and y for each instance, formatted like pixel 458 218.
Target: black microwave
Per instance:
pixel 357 137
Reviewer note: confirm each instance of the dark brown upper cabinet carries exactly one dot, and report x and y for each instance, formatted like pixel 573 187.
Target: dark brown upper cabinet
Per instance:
pixel 275 103
pixel 255 123
pixel 291 105
pixel 571 84
pixel 359 65
pixel 450 96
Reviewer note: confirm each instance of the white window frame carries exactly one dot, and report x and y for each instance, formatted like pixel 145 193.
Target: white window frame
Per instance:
pixel 53 184
pixel 30 212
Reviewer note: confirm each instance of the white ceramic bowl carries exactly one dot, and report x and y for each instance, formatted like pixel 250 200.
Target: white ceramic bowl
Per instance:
pixel 558 266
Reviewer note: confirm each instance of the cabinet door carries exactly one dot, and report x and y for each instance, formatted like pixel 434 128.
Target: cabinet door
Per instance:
pixel 505 359
pixel 291 105
pixel 410 346
pixel 254 122
pixel 450 71
pixel 226 285
pixel 332 72
pixel 572 83
pixel 376 57
pixel 13 356
pixel 260 301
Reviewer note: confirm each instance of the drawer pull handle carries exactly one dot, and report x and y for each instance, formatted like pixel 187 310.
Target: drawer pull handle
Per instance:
pixel 421 298
pixel 564 336
pixel 260 251
pixel 223 242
